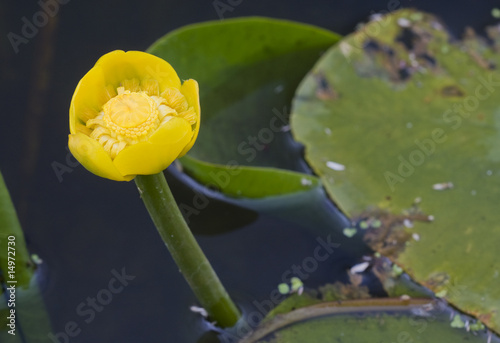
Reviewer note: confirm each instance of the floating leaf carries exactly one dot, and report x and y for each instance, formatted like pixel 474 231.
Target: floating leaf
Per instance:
pixel 22 294
pixel 372 320
pixel 404 108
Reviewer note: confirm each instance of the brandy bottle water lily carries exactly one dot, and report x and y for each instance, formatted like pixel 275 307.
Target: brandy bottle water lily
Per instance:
pixel 130 118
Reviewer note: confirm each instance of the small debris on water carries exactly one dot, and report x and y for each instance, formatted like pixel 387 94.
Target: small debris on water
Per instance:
pixel 335 166
pixel 359 268
pixel 495 13
pixel 403 22
pixel 442 186
pixel 283 288
pixel 416 236
pixel 457 322
pixel 297 284
pixel 397 270
pixel 279 89
pixel 489 172
pixel 199 310
pixel 36 259
pixel 285 128
pixel 328 131
pixel 349 232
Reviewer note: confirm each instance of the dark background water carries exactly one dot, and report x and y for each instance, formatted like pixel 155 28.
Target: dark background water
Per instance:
pixel 83 227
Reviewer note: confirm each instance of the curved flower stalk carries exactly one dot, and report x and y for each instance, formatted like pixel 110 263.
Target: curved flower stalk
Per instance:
pixel 131 117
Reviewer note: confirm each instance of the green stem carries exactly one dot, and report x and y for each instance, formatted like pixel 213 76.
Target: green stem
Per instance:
pixel 185 250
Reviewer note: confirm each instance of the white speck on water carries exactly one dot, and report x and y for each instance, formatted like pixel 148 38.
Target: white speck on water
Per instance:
pixel 473 192
pixel 417 200
pixel 199 310
pixel 489 172
pixel 376 17
pixel 437 26
pixel 349 232
pixel 495 275
pixel 335 166
pixel 279 89
pixel 359 268
pixel 305 182
pixel 328 131
pixel 408 223
pixel 285 128
pixel 416 236
pixel 409 125
pixel 442 186
pixel 35 258
pixel 403 22
pixel 430 218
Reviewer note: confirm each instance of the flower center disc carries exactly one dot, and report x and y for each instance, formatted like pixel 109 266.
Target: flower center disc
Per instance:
pixel 129 110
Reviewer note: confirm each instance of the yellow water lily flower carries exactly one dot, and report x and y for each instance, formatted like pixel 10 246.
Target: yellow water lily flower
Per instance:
pixel 130 115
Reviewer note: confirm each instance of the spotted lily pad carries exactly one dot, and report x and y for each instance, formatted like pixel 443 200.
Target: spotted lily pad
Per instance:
pixel 402 124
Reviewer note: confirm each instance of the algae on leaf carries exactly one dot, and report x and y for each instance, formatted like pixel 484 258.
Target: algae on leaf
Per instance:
pixel 413 116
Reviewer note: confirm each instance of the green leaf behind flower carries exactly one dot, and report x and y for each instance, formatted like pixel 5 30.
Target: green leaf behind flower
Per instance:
pixel 248 70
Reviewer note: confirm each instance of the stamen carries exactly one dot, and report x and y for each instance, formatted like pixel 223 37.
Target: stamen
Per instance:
pixel 151 87
pixel 134 113
pixel 189 115
pixel 175 99
pixel 131 85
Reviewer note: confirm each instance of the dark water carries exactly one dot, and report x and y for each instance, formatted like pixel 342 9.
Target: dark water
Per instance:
pixel 87 230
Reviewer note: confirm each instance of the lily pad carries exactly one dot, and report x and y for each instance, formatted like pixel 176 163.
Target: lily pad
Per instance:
pixel 22 299
pixel 15 251
pixel 248 70
pixel 402 124
pixel 252 182
pixel 373 320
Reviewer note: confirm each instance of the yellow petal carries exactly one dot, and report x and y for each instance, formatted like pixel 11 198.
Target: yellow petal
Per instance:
pixel 88 98
pixel 120 65
pixel 92 156
pixel 190 90
pixel 155 155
